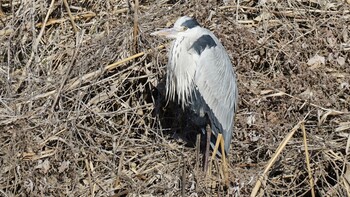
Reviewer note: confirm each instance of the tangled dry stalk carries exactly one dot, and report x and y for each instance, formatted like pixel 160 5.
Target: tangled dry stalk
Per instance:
pixel 82 109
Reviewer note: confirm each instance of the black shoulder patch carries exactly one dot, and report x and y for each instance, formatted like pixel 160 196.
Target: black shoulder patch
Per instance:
pixel 190 23
pixel 203 42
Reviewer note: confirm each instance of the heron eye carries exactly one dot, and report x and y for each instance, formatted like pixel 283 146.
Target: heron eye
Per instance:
pixel 184 28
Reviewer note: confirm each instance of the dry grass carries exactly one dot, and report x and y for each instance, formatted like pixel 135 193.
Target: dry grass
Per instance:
pixel 78 118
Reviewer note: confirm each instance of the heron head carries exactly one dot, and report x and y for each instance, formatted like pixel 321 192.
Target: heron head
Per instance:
pixel 182 24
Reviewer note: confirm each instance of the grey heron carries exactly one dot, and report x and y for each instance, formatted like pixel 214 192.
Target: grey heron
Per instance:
pixel 200 75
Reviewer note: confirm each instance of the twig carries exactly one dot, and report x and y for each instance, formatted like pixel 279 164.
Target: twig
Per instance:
pixel 207 146
pixel 274 157
pixel 61 20
pixel 122 10
pixel 308 161
pixel 75 82
pixel 136 8
pixel 198 146
pixel 35 45
pixel 88 166
pixel 1 12
pixel 237 10
pixel 287 12
pixel 280 93
pixel 37 40
pixel 64 80
pixel 183 177
pixel 120 169
pixel 6 32
pixel 114 65
pixel 70 16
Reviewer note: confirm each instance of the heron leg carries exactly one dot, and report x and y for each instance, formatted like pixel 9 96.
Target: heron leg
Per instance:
pixel 207 148
pixel 215 150
pixel 224 163
pixel 220 141
pixel 216 147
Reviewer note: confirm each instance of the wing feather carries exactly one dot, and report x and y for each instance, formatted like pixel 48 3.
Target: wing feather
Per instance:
pixel 216 82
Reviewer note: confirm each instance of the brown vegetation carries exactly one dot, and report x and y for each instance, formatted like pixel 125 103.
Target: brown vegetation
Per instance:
pixel 82 111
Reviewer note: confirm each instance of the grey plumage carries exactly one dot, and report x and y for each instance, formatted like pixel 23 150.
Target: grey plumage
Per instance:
pixel 200 75
pixel 202 43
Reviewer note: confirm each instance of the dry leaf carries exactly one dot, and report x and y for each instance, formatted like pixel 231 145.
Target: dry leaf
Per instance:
pixel 263 16
pixel 332 41
pixel 316 60
pixel 263 92
pixel 251 119
pixel 307 94
pixel 341 61
pixel 344 85
pixel 343 127
pixel 273 117
pixel 43 166
pixel 64 166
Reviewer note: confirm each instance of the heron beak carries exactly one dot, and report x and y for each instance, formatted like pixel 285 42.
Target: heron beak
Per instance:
pixel 168 33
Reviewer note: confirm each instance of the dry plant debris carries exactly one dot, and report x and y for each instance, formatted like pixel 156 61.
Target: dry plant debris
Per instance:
pixel 82 109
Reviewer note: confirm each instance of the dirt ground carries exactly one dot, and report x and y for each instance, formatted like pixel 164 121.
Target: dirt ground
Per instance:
pixel 82 108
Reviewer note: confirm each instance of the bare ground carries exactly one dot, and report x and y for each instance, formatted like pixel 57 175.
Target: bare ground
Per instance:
pixel 80 115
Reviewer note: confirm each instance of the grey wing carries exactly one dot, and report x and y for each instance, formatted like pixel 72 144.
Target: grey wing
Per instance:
pixel 216 82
